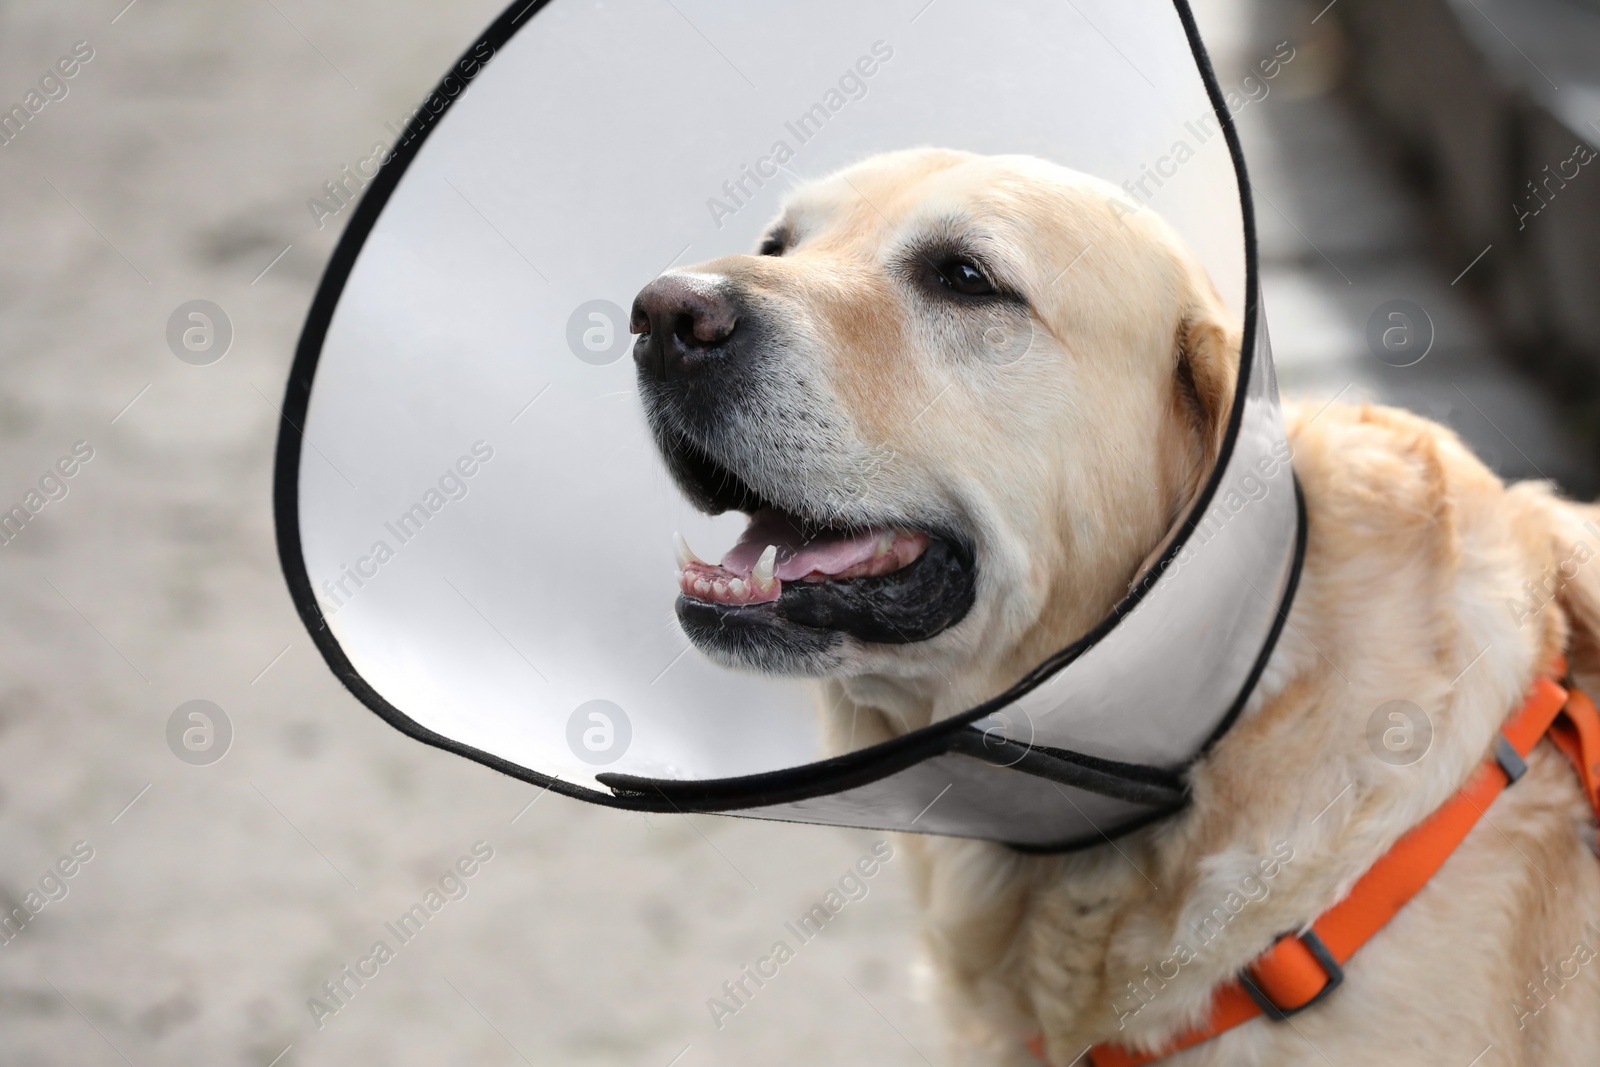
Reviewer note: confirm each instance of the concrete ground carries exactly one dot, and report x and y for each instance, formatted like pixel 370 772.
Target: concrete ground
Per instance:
pixel 218 898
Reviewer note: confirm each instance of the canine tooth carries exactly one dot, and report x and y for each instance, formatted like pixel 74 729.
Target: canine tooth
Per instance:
pixel 761 573
pixel 686 554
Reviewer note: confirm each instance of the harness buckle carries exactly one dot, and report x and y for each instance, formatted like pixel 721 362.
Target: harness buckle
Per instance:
pixel 1508 759
pixel 1324 958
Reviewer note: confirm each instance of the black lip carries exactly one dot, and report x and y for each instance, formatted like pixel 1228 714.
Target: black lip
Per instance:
pixel 808 621
pixel 755 635
pixel 920 600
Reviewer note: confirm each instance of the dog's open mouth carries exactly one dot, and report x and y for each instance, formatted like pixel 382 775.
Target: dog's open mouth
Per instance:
pixel 801 582
pixel 776 548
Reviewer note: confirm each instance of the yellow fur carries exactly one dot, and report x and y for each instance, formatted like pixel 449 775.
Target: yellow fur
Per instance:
pixel 1070 467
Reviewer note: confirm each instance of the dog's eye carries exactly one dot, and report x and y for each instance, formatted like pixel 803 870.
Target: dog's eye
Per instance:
pixel 964 276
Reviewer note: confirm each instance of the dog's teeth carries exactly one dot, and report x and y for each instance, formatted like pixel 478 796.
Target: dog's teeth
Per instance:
pixel 761 574
pixel 737 587
pixel 701 587
pixel 686 554
pixel 885 543
pixel 719 589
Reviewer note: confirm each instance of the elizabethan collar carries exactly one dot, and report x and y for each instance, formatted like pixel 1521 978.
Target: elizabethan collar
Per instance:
pixel 476 525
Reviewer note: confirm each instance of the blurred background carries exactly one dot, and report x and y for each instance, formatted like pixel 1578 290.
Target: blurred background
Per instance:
pixel 1426 158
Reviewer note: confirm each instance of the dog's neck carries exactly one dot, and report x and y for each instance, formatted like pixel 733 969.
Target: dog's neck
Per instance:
pixel 1064 944
pixel 937 685
pixel 876 707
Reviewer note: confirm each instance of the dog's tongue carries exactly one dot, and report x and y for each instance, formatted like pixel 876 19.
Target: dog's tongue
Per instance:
pixel 828 553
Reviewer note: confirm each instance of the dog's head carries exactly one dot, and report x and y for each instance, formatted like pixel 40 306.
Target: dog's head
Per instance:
pixel 963 400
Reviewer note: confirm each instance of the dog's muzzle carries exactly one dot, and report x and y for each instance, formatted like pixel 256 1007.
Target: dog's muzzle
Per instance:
pixel 802 581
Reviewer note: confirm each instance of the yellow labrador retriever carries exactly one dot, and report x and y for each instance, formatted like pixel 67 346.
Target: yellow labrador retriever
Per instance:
pixel 964 399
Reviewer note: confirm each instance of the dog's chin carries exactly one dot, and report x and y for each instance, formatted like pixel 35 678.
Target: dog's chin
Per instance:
pixel 808 594
pixel 756 639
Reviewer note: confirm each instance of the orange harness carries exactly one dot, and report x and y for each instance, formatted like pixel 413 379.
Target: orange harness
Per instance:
pixel 1301 969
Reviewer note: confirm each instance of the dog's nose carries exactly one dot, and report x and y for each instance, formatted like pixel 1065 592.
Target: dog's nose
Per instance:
pixel 683 322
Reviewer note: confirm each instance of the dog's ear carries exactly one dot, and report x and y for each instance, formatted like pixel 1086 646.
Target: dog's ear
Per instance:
pixel 1205 374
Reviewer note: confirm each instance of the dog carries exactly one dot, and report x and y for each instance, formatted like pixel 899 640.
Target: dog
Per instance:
pixel 966 400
